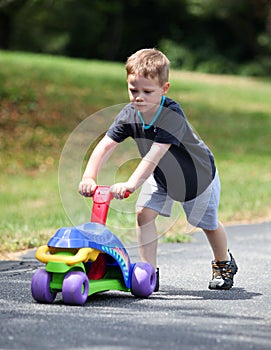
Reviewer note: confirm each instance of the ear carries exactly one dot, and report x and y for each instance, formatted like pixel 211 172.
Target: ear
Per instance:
pixel 165 87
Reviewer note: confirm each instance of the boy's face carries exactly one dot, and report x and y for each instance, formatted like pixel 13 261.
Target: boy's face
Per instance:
pixel 145 93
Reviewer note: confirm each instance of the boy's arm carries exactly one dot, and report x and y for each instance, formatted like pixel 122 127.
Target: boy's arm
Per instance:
pixel 144 169
pixel 99 156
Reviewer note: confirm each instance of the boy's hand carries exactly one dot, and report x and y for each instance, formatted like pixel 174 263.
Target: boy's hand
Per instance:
pixel 87 187
pixel 118 190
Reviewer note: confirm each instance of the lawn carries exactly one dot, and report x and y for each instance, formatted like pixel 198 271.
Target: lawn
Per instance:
pixel 45 98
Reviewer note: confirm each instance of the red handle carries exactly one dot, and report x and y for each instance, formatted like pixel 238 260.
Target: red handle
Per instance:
pixel 127 194
pixel 102 194
pixel 101 201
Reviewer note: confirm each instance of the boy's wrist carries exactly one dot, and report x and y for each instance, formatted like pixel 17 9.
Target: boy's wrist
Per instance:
pixel 133 184
pixel 87 177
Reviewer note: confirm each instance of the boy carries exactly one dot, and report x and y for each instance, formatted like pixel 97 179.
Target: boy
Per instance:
pixel 175 165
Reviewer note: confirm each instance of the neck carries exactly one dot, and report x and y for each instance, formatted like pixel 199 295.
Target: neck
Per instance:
pixel 148 116
pixel 150 119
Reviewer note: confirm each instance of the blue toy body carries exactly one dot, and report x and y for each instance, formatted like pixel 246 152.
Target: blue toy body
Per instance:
pixel 97 236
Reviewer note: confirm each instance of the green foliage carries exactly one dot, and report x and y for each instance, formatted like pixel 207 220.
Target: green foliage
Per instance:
pixel 208 60
pixel 178 238
pixel 230 37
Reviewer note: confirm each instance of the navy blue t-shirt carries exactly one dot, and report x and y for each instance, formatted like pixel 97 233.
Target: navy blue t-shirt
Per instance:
pixel 188 166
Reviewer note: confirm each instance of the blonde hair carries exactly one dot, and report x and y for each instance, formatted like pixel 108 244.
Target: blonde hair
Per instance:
pixel 149 63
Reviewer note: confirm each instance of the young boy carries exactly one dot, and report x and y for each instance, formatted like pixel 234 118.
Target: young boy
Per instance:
pixel 175 165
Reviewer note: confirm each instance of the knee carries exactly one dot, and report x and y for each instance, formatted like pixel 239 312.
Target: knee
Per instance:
pixel 217 230
pixel 209 232
pixel 141 217
pixel 145 216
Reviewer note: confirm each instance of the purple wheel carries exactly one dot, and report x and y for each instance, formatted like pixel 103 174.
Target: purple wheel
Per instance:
pixel 143 280
pixel 75 288
pixel 40 287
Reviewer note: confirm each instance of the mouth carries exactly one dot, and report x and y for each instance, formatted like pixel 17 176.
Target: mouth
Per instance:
pixel 140 105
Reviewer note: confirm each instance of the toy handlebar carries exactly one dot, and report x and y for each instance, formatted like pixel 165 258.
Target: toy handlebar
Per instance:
pixel 102 197
pixel 127 194
pixel 105 191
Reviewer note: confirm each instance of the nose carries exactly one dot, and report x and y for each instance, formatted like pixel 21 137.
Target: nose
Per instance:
pixel 139 98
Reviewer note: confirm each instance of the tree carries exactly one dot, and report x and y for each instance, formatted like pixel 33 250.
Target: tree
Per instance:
pixel 207 35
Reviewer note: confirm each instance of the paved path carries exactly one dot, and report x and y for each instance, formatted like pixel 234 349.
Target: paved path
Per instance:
pixel 184 314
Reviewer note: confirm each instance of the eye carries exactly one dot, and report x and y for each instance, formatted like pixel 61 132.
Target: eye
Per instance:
pixel 147 92
pixel 133 91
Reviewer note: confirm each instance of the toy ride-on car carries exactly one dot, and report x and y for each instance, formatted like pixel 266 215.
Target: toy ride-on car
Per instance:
pixel 87 259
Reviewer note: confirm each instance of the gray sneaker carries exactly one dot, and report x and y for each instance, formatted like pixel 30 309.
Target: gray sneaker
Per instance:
pixel 223 272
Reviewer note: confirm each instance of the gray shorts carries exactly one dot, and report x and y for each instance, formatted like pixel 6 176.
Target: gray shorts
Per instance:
pixel 200 212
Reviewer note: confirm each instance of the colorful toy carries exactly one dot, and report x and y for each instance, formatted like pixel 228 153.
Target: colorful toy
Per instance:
pixel 87 259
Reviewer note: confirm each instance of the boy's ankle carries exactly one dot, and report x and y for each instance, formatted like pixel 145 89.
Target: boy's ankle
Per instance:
pixel 226 257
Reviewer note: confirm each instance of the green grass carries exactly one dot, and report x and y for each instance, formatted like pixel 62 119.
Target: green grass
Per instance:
pixel 43 98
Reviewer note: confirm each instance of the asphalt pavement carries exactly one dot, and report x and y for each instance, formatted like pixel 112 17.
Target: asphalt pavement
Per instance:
pixel 184 314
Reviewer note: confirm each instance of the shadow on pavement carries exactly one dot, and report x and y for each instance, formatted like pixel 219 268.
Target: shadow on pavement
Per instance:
pixel 232 294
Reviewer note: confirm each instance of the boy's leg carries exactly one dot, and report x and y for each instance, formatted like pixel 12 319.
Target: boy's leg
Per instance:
pixel 203 212
pixel 218 241
pixel 223 266
pixel 147 235
pixel 152 201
